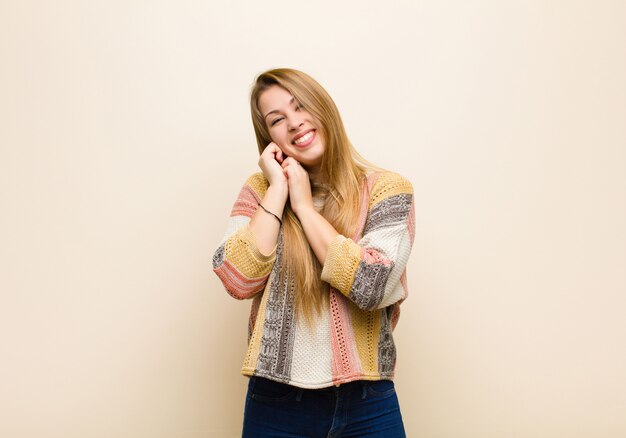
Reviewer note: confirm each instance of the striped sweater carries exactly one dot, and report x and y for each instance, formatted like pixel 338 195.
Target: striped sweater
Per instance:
pixel 352 339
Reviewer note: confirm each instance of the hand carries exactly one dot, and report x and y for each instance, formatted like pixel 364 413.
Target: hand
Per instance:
pixel 299 185
pixel 269 162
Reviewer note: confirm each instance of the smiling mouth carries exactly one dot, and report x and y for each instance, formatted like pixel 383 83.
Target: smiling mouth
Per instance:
pixel 305 139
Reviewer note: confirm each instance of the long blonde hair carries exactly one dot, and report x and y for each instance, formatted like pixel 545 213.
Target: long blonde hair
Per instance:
pixel 342 172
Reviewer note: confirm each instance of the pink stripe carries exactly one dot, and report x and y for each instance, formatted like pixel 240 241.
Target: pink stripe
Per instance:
pixel 246 203
pixel 372 256
pixel 395 312
pixel 345 360
pixel 404 283
pixel 238 285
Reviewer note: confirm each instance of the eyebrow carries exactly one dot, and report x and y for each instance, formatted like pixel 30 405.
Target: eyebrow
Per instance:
pixel 275 111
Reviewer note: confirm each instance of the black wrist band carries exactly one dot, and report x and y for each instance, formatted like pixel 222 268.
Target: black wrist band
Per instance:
pixel 281 222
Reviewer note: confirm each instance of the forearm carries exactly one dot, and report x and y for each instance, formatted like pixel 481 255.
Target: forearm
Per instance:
pixel 263 225
pixel 319 232
pixel 368 270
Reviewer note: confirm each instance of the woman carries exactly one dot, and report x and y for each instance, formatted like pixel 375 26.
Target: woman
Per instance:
pixel 319 240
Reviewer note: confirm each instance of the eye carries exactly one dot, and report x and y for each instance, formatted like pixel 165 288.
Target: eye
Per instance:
pixel 299 107
pixel 276 121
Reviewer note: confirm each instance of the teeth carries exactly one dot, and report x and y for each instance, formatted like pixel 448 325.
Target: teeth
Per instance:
pixel 304 138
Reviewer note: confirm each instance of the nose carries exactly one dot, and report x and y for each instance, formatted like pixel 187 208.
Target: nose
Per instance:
pixel 295 121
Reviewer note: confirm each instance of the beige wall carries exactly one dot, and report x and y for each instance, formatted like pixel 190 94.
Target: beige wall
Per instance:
pixel 125 136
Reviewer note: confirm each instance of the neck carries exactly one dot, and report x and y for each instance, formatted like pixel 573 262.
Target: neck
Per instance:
pixel 315 175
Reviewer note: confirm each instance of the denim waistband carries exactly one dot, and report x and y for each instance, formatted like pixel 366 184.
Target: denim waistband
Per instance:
pixel 343 388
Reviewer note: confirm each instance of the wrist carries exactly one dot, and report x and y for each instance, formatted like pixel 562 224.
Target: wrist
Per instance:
pixel 305 211
pixel 274 199
pixel 279 189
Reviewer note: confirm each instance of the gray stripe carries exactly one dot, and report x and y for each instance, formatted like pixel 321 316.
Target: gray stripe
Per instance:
pixel 218 257
pixel 392 211
pixel 256 304
pixel 369 284
pixel 386 346
pixel 276 349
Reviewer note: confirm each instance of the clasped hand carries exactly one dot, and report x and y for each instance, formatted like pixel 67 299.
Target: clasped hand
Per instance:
pixel 283 171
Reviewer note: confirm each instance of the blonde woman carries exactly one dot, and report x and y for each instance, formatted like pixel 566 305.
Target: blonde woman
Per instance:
pixel 318 240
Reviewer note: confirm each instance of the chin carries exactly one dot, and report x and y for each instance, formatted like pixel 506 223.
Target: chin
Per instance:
pixel 310 164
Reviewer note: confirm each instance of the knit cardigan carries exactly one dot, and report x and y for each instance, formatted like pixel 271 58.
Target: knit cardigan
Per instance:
pixel 352 339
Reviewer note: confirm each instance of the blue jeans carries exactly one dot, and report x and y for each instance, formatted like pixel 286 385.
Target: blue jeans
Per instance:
pixel 357 409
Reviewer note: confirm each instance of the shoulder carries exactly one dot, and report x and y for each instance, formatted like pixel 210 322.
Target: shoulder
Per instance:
pixel 386 184
pixel 257 183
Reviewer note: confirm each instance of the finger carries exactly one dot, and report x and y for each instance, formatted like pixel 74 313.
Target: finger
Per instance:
pixel 292 169
pixel 286 162
pixel 271 148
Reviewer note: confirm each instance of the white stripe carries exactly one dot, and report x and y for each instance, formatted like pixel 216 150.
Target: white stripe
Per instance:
pixel 394 244
pixel 312 352
pixel 234 223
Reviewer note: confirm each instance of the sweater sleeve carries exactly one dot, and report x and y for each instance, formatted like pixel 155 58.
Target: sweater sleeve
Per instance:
pixel 369 272
pixel 239 264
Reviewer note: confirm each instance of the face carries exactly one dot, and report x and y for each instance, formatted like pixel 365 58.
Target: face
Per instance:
pixel 296 131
